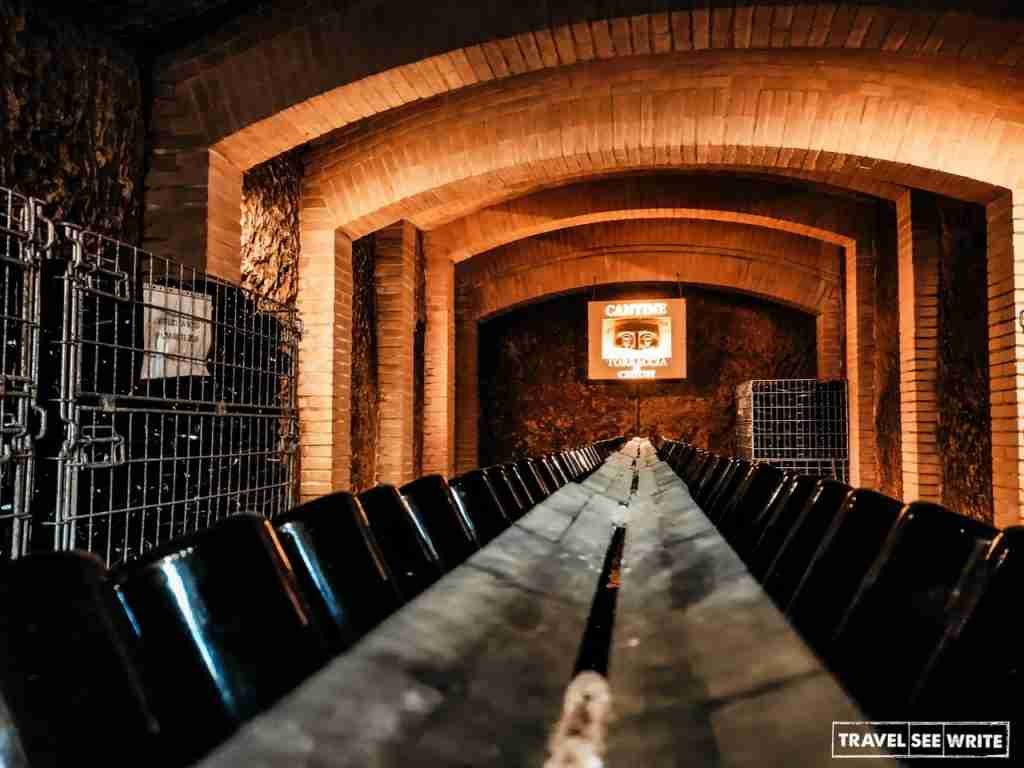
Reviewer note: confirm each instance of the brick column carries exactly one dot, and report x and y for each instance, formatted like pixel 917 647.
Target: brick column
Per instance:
pixel 439 366
pixel 467 385
pixel 1006 354
pixel 860 352
pixel 395 281
pixel 830 336
pixel 325 357
pixel 194 207
pixel 919 243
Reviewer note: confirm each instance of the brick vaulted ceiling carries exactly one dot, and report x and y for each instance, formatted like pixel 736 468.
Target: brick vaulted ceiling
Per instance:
pixel 385 54
pixel 777 265
pixel 797 208
pixel 429 119
pixel 867 85
pixel 868 116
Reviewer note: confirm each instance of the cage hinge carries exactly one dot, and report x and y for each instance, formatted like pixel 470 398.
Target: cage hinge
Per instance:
pixel 98 447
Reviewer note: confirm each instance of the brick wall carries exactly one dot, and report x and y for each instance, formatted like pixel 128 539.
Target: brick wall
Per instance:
pixel 325 355
pixel 419 363
pixel 395 281
pixel 1006 345
pixel 439 363
pixel 860 361
pixel 945 323
pixel 918 233
pixel 467 385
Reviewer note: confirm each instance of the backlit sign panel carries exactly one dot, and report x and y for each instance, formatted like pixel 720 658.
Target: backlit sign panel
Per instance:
pixel 639 339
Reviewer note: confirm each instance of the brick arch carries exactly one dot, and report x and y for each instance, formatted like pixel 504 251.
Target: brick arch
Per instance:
pixel 827 182
pixel 267 85
pixel 275 77
pixel 771 264
pixel 868 112
pixel 646 114
pixel 817 212
pixel 793 269
pixel 789 207
pixel 738 271
pixel 870 118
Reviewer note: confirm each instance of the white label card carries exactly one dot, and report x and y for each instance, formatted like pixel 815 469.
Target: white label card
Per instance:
pixel 178 328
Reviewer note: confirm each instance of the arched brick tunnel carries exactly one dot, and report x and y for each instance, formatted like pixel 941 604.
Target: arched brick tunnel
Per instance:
pixel 731 140
pixel 438 195
pixel 833 123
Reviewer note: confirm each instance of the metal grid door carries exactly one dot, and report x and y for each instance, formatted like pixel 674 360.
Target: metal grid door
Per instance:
pixel 177 398
pixel 23 237
pixel 796 424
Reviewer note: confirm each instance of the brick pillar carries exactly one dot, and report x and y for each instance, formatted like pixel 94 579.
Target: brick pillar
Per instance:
pixel 919 243
pixel 325 357
pixel 1006 354
pixel 830 336
pixel 439 366
pixel 467 386
pixel 860 354
pixel 194 211
pixel 395 281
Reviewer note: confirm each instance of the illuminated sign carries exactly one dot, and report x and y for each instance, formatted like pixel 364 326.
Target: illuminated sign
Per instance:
pixel 639 339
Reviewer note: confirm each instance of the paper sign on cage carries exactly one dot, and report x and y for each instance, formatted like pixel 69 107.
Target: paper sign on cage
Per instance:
pixel 178 327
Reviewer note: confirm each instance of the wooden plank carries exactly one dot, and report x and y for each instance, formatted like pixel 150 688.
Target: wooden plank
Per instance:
pixel 706 670
pixel 471 672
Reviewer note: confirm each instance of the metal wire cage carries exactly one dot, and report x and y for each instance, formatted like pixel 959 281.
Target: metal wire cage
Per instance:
pixel 797 424
pixel 23 237
pixel 177 398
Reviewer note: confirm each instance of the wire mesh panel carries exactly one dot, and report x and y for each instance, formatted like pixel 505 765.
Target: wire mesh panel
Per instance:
pixel 23 236
pixel 177 396
pixel 797 424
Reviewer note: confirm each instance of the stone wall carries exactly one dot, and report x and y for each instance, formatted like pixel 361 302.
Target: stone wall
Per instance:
pixel 271 194
pixel 365 388
pixel 72 121
pixel 963 435
pixel 535 396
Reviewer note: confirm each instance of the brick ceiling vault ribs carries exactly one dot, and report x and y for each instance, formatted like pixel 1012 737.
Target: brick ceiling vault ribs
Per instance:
pixel 793 207
pixel 727 255
pixel 427 122
pixel 333 66
pixel 844 125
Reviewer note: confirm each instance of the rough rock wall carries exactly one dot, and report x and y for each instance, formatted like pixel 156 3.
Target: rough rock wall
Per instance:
pixel 365 392
pixel 887 357
pixel 535 396
pixel 72 120
pixel 271 194
pixel 962 385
